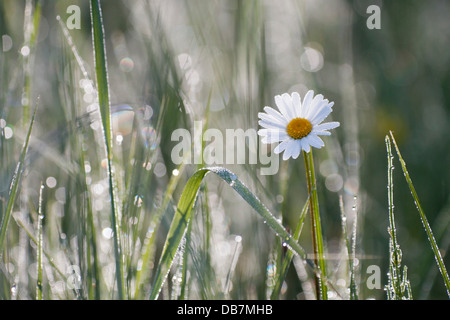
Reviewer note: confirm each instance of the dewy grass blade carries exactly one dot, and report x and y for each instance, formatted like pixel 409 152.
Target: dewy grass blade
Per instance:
pixel 423 218
pixel 350 246
pixel 31 28
pixel 39 251
pixel 398 287
pixel 105 112
pixel 289 256
pixel 15 185
pixel 149 241
pixel 183 215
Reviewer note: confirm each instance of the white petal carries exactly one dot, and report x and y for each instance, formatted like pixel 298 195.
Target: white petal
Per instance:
pixel 306 102
pixel 312 106
pixel 281 147
pixel 314 141
pixel 318 118
pixel 296 104
pixel 305 144
pixel 272 135
pixel 274 113
pixel 270 118
pixel 321 133
pixel 290 106
pixel 284 109
pixel 289 149
pixel 326 126
pixel 316 109
pixel 296 149
pixel 271 124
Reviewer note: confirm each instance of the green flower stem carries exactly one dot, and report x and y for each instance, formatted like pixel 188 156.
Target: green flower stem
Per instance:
pixel 316 229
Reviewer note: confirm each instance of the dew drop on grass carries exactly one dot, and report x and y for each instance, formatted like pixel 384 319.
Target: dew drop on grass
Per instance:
pixel 233 179
pixel 13 291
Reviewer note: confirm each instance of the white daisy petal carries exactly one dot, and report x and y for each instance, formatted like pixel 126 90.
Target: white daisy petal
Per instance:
pixel 326 126
pixel 296 104
pixel 314 141
pixel 270 124
pixel 283 108
pixel 264 132
pixel 319 117
pixel 289 149
pixel 321 133
pixel 317 108
pixel 269 118
pixel 306 102
pixel 281 147
pixel 272 135
pixel 272 114
pixel 287 98
pixel 305 145
pixel 312 108
pixel 296 150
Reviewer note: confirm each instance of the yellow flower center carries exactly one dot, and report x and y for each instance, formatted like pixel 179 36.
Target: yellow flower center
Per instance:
pixel 299 128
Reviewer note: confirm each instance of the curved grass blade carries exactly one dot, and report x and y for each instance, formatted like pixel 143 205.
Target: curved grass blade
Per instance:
pixel 14 186
pixel 423 218
pixel 101 71
pixel 183 215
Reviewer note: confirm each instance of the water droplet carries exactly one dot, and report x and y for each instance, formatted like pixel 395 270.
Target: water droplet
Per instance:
pixel 233 179
pixel 13 290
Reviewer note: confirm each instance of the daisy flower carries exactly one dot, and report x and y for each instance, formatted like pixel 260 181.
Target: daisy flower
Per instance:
pixel 298 125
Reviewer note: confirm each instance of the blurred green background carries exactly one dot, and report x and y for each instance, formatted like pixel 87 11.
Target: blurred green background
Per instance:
pixel 176 54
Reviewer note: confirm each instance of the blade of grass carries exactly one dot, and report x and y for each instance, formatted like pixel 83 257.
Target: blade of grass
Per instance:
pixel 350 247
pixel 398 287
pixel 423 218
pixel 15 185
pixel 39 251
pixel 183 215
pixel 143 271
pixel 101 71
pixel 289 256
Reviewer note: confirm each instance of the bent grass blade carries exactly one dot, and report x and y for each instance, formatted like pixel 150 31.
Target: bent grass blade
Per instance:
pixel 183 215
pixel 423 218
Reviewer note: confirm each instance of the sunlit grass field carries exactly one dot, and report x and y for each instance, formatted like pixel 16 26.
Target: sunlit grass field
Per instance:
pixel 94 205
